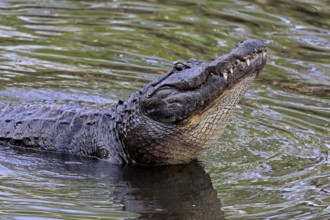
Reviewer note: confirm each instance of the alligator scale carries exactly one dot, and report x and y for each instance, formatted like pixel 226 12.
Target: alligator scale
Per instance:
pixel 169 121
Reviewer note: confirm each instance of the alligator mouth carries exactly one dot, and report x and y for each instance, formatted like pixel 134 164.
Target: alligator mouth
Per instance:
pixel 238 64
pixel 231 73
pixel 192 88
pixel 235 77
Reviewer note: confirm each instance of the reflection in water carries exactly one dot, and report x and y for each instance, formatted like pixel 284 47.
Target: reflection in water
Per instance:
pixel 173 192
pixel 164 192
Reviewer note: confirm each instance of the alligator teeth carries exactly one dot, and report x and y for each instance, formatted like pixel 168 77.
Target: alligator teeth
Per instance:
pixel 225 76
pixel 248 62
pixel 231 70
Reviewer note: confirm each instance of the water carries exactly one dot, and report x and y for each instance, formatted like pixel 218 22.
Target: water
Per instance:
pixel 273 160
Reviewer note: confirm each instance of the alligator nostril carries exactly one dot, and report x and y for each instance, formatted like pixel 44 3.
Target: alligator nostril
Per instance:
pixel 239 43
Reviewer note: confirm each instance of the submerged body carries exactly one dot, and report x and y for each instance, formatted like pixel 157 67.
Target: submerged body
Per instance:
pixel 169 121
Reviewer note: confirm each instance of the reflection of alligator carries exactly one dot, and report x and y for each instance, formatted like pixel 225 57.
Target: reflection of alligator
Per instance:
pixel 170 120
pixel 160 192
pixel 180 192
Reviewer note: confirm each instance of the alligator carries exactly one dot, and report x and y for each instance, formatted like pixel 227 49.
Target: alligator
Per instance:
pixel 170 120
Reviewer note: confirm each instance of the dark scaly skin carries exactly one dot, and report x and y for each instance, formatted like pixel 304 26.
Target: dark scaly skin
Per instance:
pixel 62 127
pixel 169 121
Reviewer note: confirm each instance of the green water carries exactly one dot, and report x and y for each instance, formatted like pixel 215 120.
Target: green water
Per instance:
pixel 273 160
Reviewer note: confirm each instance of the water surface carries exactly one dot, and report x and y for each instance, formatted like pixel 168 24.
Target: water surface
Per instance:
pixel 273 160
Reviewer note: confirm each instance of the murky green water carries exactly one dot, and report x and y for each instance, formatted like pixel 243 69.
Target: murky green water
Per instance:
pixel 273 161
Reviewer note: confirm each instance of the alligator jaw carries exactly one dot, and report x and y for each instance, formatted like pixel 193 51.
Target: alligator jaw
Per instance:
pixel 191 88
pixel 248 56
pixel 229 76
pixel 245 61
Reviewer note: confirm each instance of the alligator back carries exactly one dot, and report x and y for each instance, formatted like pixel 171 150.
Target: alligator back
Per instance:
pixel 62 127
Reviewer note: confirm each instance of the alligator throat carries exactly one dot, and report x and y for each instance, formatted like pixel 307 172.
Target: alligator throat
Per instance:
pixel 169 121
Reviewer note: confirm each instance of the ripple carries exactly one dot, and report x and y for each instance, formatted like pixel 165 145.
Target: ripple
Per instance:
pixel 273 160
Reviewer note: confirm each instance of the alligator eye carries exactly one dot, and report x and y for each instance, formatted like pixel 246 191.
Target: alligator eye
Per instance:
pixel 178 66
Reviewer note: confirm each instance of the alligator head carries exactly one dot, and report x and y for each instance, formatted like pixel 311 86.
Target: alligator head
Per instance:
pixel 183 112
